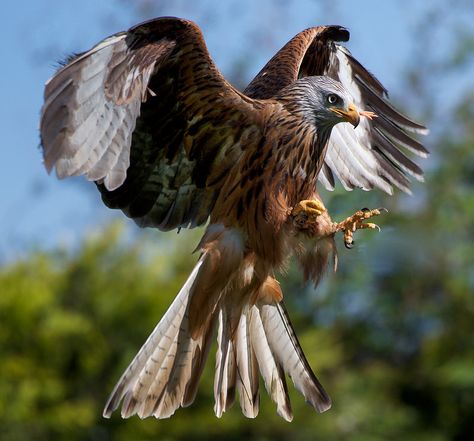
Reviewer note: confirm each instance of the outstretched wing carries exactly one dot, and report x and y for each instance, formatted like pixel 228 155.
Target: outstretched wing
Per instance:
pixel 374 154
pixel 148 117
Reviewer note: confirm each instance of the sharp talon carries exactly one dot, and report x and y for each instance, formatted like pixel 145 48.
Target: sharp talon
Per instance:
pixel 373 227
pixel 368 225
pixel 358 222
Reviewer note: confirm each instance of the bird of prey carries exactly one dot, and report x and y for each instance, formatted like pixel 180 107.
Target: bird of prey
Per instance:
pixel 148 117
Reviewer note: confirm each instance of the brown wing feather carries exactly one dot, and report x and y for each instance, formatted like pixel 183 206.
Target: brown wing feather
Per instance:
pixel 373 154
pixel 147 116
pixel 305 54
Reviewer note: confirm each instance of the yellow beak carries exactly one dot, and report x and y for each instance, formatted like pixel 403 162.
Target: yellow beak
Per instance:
pixel 350 115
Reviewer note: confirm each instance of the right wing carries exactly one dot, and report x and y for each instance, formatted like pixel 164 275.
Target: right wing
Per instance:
pixel 374 154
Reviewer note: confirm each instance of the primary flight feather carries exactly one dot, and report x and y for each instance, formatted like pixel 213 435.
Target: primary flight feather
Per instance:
pixel 148 117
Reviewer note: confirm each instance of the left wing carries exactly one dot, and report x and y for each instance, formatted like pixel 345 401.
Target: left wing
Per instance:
pixel 374 154
pixel 147 115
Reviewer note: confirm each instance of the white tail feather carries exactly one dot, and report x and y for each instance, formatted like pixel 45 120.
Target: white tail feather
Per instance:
pixel 224 379
pixel 272 374
pixel 265 338
pixel 247 369
pixel 165 373
pixel 142 372
pixel 288 353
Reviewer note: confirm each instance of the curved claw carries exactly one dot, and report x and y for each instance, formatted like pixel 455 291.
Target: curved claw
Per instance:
pixel 358 222
pixel 368 225
pixel 349 245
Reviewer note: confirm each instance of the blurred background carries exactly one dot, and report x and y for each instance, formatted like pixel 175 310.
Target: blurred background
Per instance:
pixel 390 335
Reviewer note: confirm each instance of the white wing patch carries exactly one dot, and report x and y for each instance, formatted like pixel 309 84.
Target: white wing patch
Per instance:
pixel 370 155
pixel 90 111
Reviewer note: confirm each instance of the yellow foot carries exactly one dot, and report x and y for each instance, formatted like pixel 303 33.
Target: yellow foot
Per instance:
pixel 306 212
pixel 356 222
pixel 311 208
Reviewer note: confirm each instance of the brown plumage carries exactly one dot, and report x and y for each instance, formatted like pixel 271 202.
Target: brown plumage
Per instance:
pixel 148 117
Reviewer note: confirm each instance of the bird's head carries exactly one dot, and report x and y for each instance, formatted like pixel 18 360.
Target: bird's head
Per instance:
pixel 323 101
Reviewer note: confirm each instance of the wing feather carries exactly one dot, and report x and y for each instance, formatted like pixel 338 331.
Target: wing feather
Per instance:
pixel 148 117
pixel 373 154
pixel 285 344
pixel 327 177
pixel 387 133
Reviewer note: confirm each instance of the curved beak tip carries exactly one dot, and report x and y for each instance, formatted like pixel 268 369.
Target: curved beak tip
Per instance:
pixel 350 115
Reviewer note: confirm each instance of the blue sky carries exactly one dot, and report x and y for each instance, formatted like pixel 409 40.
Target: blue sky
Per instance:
pixel 39 211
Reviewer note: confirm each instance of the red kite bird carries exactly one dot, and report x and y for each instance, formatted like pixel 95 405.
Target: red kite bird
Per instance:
pixel 148 117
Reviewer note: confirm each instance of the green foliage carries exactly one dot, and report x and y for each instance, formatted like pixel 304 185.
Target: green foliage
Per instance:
pixel 390 336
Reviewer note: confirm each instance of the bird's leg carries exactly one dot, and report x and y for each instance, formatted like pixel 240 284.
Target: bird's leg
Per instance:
pixel 357 222
pixel 306 212
pixel 312 218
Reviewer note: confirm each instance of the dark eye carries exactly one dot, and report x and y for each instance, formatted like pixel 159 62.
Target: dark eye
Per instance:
pixel 333 98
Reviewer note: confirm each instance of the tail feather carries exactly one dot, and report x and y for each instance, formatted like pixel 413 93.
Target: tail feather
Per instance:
pixel 185 368
pixel 180 371
pixel 137 379
pixel 150 387
pixel 165 373
pixel 224 379
pixel 273 376
pixel 287 351
pixel 199 361
pixel 247 368
pixel 151 401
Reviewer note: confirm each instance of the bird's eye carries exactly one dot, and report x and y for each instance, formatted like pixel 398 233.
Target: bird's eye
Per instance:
pixel 333 98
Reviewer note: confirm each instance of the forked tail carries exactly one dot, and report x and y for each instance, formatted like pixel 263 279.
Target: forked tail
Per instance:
pixel 256 337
